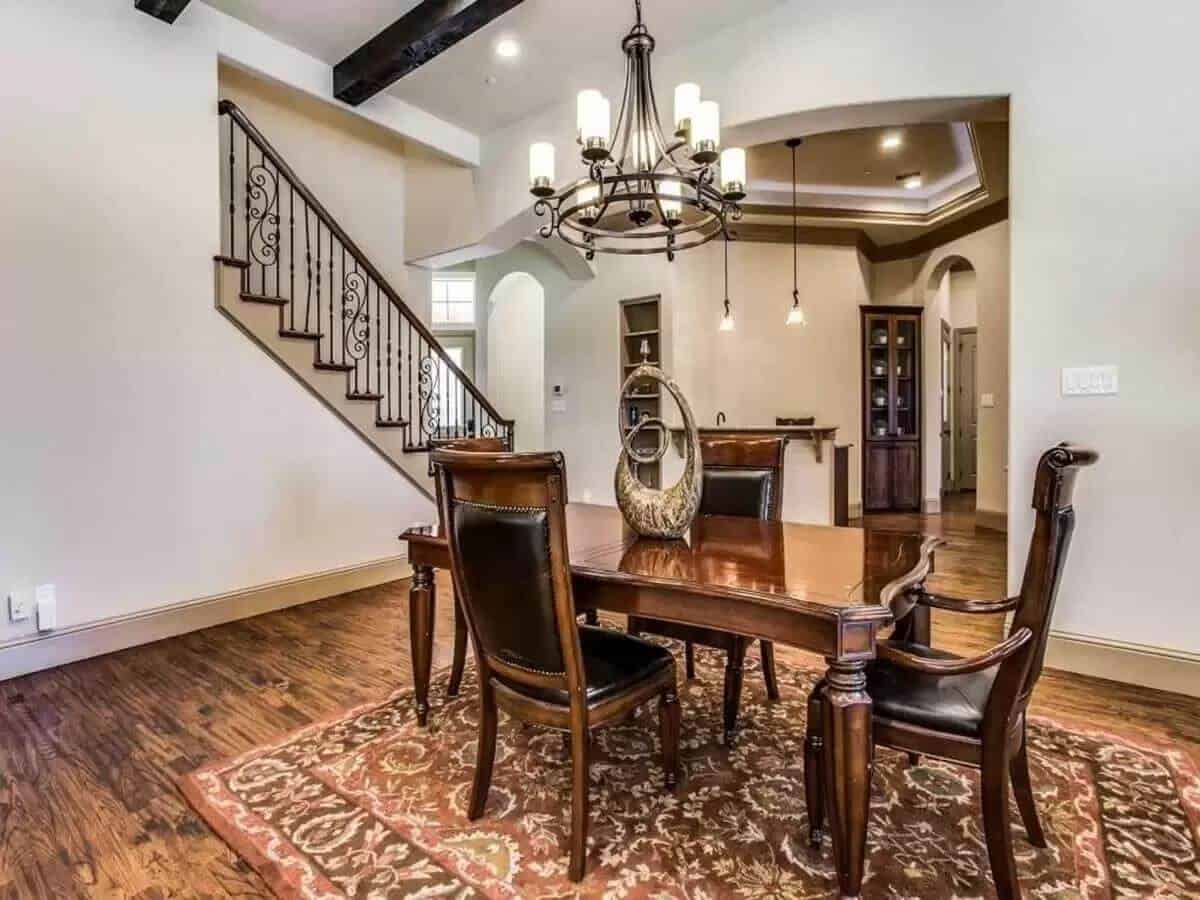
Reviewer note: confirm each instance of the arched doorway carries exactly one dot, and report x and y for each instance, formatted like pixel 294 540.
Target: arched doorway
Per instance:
pixel 516 355
pixel 953 327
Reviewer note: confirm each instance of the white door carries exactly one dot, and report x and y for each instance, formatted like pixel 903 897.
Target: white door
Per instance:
pixel 966 398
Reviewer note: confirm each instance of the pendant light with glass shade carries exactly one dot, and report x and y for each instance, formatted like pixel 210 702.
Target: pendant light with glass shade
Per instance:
pixel 727 318
pixel 643 193
pixel 795 315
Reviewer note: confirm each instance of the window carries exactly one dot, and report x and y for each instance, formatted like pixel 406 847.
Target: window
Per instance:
pixel 454 299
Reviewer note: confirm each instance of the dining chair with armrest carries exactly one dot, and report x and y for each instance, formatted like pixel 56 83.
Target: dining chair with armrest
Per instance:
pixel 743 476
pixel 505 521
pixel 972 710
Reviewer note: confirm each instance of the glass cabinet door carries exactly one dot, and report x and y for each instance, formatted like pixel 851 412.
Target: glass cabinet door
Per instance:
pixel 879 368
pixel 904 368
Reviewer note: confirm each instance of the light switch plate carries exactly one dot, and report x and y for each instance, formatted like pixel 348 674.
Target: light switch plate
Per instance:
pixel 47 611
pixel 1089 381
pixel 20 606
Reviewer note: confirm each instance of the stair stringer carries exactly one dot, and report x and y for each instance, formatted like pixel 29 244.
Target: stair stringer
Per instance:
pixel 261 323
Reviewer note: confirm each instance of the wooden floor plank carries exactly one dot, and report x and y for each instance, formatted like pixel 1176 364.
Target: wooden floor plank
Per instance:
pixel 89 752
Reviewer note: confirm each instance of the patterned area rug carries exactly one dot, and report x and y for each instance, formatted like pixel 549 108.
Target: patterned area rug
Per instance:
pixel 370 805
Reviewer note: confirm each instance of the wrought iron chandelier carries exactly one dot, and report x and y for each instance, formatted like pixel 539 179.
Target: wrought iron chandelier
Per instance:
pixel 642 195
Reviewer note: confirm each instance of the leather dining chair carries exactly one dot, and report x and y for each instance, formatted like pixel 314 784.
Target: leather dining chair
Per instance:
pixel 972 710
pixel 458 663
pixel 743 476
pixel 470 445
pixel 505 518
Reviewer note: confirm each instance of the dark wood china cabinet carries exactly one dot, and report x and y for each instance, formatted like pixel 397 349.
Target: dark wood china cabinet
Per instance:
pixel 891 398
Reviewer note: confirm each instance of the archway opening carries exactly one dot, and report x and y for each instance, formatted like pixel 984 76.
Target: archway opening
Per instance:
pixel 516 354
pixel 967 352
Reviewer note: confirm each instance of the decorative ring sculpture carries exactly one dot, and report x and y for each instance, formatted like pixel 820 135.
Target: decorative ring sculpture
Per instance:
pixel 651 512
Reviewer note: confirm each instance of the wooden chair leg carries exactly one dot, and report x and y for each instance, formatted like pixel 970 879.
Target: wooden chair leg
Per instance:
pixel 997 828
pixel 485 753
pixel 459 663
pixel 1018 770
pixel 734 673
pixel 579 804
pixel 689 653
pixel 668 723
pixel 814 768
pixel 768 667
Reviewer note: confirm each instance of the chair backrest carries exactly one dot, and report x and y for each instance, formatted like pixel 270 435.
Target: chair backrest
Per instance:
pixel 1053 491
pixel 471 444
pixel 504 516
pixel 743 475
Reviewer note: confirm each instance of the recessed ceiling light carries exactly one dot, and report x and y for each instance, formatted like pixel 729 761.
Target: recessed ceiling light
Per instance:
pixel 910 180
pixel 507 48
pixel 891 141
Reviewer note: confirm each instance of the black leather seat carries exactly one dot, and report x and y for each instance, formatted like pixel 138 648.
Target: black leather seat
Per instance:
pixel 612 662
pixel 949 703
pixel 737 492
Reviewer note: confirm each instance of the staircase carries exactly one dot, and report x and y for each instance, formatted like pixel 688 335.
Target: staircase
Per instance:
pixel 291 278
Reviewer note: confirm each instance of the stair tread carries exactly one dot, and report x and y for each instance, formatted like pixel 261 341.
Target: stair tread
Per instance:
pixel 232 261
pixel 350 395
pixel 262 298
pixel 333 367
pixel 300 335
pixel 399 423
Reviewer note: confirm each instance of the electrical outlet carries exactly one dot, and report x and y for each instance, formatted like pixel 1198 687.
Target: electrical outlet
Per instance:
pixel 47 607
pixel 1089 381
pixel 20 606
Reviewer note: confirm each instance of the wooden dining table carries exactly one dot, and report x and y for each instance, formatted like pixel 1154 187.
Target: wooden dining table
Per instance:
pixel 823 589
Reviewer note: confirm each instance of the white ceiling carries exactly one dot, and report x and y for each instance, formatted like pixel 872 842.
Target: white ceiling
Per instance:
pixel 566 45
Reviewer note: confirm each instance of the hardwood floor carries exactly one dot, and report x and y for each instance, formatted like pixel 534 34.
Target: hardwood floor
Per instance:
pixel 89 752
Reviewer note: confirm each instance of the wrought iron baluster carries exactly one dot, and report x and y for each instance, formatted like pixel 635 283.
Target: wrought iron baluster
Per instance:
pixel 378 337
pixel 389 363
pixel 331 284
pixel 232 191
pixel 292 253
pixel 307 270
pixel 248 257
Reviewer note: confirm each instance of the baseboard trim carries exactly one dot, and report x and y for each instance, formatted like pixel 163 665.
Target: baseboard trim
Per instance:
pixel 39 652
pixel 855 511
pixel 1161 668
pixel 991 518
pixel 932 506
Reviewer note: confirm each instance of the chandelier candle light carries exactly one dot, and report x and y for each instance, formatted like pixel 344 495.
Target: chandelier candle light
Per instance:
pixel 642 193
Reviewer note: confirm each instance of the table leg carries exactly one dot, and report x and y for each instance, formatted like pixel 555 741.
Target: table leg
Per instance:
pixel 421 604
pixel 847 751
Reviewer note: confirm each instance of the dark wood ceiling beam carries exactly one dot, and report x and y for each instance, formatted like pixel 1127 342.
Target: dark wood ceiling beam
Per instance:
pixel 167 10
pixel 431 28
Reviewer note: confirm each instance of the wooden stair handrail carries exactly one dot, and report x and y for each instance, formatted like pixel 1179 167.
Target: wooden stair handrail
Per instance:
pixel 231 109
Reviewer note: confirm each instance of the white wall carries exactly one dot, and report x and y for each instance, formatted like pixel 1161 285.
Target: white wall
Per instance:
pixel 1102 270
pixel 152 454
pixel 516 355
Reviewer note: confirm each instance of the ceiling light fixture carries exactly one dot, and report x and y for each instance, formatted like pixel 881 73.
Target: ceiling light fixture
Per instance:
pixel 795 315
pixel 668 191
pixel 910 180
pixel 507 48
pixel 891 141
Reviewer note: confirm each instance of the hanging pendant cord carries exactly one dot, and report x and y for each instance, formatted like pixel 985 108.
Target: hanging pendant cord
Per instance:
pixel 795 236
pixel 638 5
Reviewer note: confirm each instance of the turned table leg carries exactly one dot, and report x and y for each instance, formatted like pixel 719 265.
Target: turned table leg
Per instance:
pixel 847 753
pixel 421 603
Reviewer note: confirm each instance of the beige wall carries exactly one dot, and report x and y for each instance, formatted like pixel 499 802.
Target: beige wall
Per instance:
pixel 762 370
pixel 1102 263
pixel 152 453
